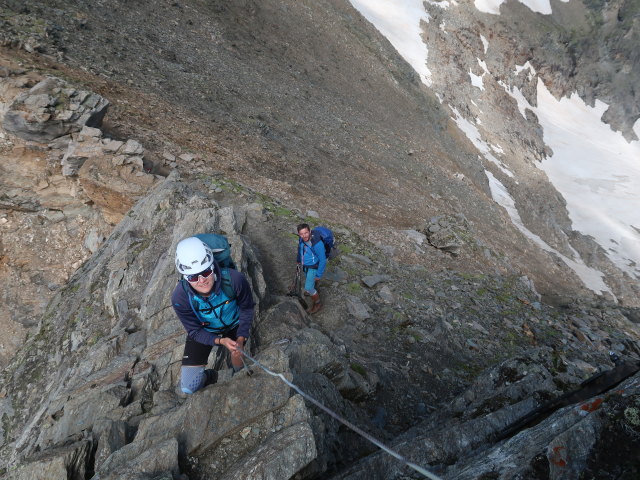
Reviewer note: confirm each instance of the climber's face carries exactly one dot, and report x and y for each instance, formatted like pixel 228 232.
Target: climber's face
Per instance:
pixel 204 285
pixel 305 234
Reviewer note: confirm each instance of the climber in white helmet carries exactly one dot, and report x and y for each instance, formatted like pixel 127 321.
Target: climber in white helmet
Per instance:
pixel 215 305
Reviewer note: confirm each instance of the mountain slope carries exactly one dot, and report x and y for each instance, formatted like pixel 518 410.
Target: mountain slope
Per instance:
pixel 305 102
pixel 432 352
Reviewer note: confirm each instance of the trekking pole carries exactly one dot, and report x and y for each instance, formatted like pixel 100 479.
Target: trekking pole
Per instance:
pixel 298 279
pixel 294 288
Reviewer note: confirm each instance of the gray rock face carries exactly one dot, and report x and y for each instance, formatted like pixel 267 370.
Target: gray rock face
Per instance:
pixel 112 436
pixel 563 445
pixel 283 455
pixel 113 391
pixel 108 403
pixel 52 109
pixel 63 462
pixel 141 460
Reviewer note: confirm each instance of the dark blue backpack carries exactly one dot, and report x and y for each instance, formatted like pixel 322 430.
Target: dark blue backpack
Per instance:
pixel 326 236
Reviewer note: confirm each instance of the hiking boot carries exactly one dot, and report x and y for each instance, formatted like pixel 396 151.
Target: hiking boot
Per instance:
pixel 307 294
pixel 316 304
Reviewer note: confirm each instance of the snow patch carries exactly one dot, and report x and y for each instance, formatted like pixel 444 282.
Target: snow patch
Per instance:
pixel 517 95
pixel 399 21
pixel 526 66
pixel 473 134
pixel 483 65
pixel 485 43
pixel 444 4
pixel 493 6
pixel 592 278
pixel 476 80
pixel 595 169
pixel 597 172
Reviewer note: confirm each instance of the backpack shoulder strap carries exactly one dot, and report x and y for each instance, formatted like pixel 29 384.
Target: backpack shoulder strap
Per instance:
pixel 227 286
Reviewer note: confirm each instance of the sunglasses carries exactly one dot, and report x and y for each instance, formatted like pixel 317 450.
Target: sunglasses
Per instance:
pixel 193 278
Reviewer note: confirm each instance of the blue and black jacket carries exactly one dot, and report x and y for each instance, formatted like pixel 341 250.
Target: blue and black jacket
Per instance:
pixel 312 254
pixel 208 318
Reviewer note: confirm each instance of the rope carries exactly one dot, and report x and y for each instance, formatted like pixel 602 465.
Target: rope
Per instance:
pixel 359 431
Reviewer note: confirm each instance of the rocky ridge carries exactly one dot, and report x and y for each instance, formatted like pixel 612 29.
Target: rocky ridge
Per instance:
pixel 107 406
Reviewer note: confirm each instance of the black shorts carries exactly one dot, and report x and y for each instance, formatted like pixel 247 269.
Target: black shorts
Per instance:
pixel 196 353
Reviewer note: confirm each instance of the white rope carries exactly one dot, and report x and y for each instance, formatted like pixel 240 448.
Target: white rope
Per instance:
pixel 359 431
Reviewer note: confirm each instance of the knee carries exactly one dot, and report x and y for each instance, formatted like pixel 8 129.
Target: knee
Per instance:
pixel 191 378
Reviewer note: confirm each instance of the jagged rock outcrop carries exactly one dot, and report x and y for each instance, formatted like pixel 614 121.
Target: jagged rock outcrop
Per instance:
pixel 111 172
pixel 51 109
pixel 463 440
pixel 112 347
pixel 64 218
pixel 446 232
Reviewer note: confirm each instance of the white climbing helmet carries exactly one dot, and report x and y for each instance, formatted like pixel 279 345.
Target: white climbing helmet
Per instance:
pixel 193 256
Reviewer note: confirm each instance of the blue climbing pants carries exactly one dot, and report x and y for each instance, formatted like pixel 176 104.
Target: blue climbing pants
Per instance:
pixel 310 280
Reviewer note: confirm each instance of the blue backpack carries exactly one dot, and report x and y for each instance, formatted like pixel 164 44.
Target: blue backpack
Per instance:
pixel 326 235
pixel 220 247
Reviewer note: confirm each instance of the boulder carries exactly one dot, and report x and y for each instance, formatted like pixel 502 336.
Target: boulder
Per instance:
pixel 112 437
pixel 358 308
pixel 68 462
pixel 313 352
pixel 446 232
pixel 372 280
pixel 281 456
pixel 52 108
pixel 139 458
pixel 199 426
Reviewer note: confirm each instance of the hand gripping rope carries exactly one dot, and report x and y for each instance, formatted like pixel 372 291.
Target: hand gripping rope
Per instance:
pixel 359 431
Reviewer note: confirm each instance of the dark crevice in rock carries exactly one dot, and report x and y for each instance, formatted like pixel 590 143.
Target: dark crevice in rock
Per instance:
pixel 599 384
pixel 90 461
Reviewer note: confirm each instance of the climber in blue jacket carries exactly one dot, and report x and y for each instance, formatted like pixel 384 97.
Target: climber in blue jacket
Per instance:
pixel 312 257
